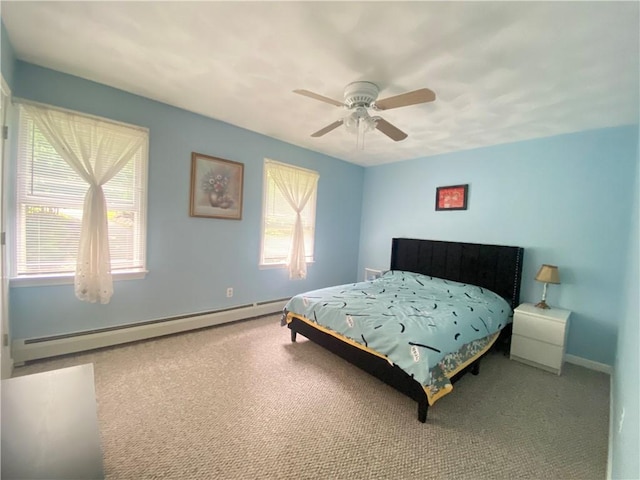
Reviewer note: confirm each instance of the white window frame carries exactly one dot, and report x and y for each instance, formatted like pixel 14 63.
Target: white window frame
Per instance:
pixel 140 195
pixel 265 191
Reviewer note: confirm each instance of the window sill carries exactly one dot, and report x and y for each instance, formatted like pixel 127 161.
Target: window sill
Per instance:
pixel 67 279
pixel 268 266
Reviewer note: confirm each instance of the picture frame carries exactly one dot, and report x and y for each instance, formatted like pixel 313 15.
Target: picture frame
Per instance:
pixel 216 187
pixel 452 197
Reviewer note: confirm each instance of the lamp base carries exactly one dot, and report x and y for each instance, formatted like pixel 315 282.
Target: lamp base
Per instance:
pixel 542 304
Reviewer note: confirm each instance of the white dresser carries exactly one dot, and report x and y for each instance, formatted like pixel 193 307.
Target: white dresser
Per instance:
pixel 539 336
pixel 50 426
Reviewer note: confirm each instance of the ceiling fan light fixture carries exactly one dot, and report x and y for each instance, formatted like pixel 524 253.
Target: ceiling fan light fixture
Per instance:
pixel 359 122
pixel 371 123
pixel 351 122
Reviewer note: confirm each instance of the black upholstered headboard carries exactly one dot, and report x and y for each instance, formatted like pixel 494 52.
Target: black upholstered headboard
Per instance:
pixel 495 267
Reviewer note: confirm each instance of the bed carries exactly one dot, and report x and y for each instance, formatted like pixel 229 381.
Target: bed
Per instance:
pixel 424 323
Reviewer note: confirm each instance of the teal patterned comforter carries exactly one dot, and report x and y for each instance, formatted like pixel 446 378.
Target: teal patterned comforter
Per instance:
pixel 414 320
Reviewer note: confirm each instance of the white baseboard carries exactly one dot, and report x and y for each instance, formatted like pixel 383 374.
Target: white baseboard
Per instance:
pixel 24 350
pixel 590 364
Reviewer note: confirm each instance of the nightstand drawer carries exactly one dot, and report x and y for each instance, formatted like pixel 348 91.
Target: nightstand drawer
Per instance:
pixel 539 328
pixel 541 353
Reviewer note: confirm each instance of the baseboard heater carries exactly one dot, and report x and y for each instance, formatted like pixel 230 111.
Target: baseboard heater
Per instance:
pixel 24 350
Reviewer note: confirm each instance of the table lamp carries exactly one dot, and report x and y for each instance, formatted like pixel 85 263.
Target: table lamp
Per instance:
pixel 547 274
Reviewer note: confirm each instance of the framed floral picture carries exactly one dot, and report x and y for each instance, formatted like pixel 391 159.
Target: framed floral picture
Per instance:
pixel 216 187
pixel 453 197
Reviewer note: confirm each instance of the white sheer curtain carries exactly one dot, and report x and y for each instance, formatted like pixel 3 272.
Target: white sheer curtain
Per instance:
pixel 296 187
pixel 96 150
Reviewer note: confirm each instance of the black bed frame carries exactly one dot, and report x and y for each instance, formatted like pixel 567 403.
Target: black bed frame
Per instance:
pixel 495 267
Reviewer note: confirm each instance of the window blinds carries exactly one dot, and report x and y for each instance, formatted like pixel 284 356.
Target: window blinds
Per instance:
pixel 50 199
pixel 279 217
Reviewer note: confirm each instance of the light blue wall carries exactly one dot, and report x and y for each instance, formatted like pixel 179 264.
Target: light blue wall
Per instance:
pixel 7 56
pixel 565 199
pixel 191 261
pixel 626 377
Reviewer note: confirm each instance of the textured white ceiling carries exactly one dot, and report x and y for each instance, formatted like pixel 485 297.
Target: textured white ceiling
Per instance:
pixel 501 71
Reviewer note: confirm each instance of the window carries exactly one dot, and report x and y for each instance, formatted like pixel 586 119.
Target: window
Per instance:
pixel 50 198
pixel 279 216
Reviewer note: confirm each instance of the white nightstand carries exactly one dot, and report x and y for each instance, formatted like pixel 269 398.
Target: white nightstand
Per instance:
pixel 372 274
pixel 539 336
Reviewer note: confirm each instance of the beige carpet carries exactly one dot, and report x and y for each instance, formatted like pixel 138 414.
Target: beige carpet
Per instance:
pixel 240 401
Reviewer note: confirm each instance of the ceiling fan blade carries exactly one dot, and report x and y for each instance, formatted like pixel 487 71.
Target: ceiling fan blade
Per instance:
pixel 309 94
pixel 423 95
pixel 327 129
pixel 389 130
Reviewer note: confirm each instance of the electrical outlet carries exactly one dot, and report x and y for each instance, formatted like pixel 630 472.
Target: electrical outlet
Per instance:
pixel 229 292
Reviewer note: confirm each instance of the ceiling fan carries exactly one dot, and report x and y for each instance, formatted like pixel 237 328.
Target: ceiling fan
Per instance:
pixel 359 97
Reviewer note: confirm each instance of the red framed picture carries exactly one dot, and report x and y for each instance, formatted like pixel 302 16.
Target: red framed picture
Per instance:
pixel 452 197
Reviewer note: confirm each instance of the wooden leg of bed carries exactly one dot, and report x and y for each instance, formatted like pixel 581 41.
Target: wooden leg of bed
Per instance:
pixel 293 335
pixel 475 368
pixel 423 406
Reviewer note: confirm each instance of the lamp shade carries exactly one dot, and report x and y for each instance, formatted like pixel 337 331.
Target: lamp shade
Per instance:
pixel 548 274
